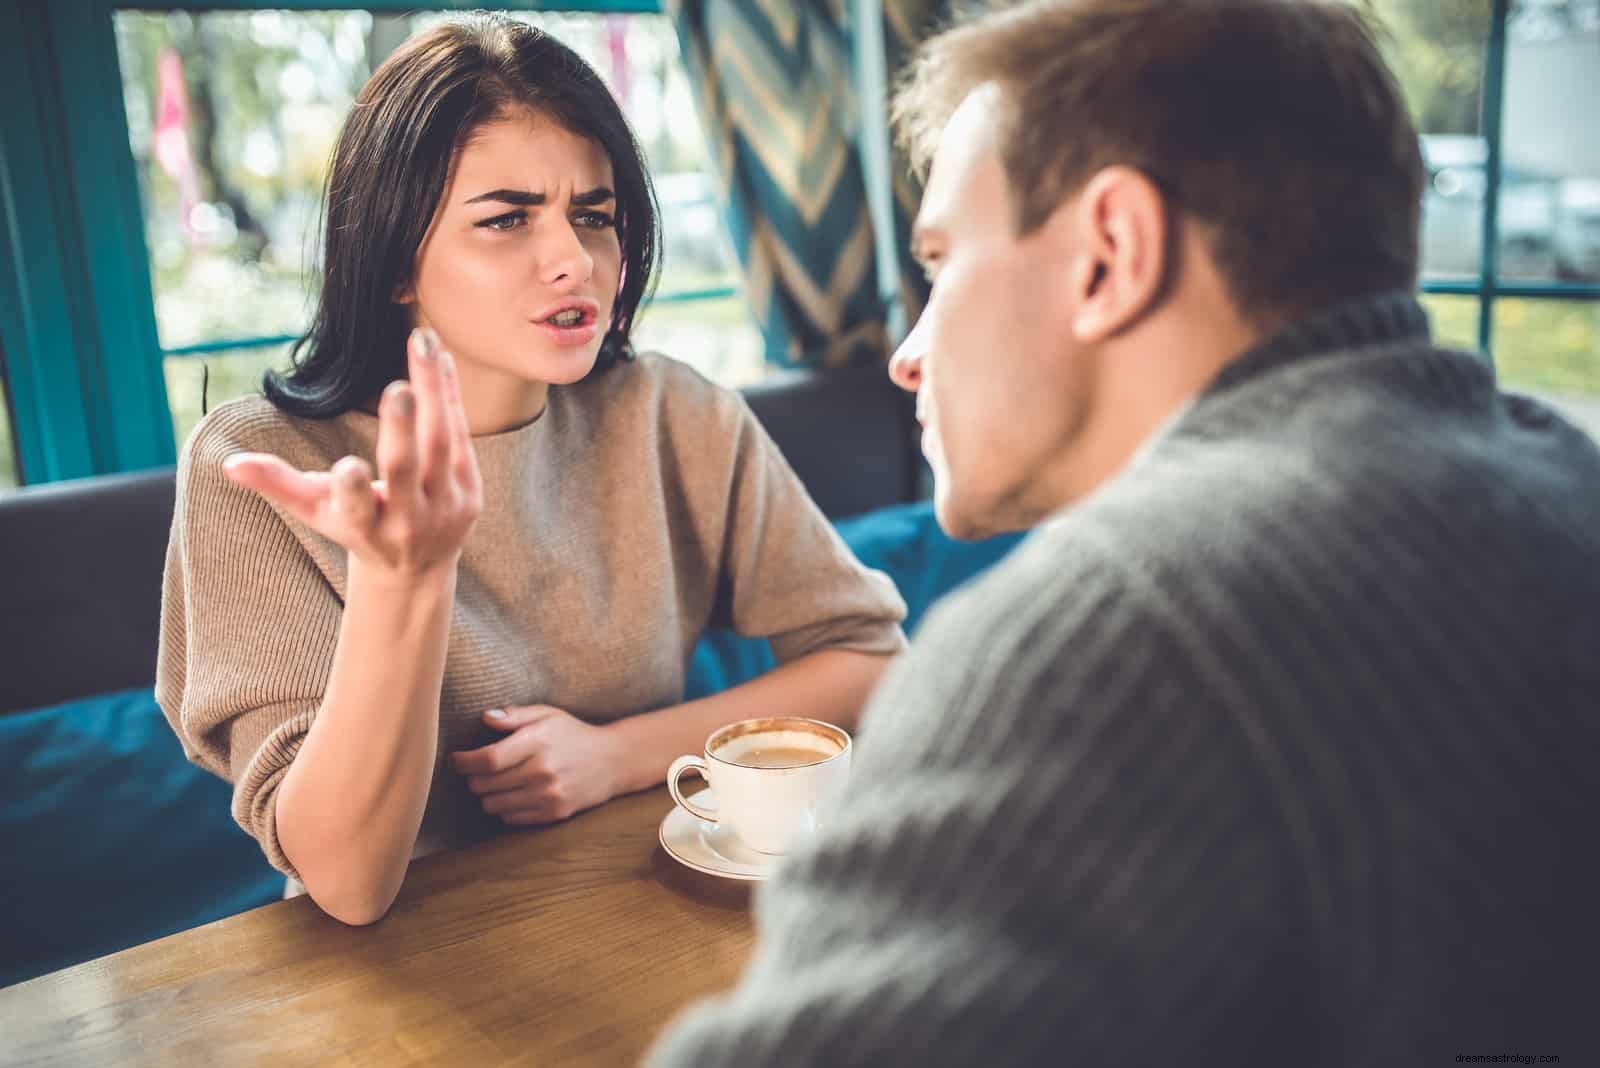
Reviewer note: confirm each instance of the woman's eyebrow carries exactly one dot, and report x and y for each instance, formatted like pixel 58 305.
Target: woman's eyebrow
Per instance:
pixel 523 198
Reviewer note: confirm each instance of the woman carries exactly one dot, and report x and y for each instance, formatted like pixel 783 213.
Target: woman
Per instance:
pixel 411 598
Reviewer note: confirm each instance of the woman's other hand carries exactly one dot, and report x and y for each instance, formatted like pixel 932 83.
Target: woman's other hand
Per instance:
pixel 413 519
pixel 550 765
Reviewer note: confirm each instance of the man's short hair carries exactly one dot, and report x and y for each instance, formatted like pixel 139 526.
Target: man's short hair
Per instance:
pixel 1275 123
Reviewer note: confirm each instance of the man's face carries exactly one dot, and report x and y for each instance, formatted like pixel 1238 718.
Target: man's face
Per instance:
pixel 1000 389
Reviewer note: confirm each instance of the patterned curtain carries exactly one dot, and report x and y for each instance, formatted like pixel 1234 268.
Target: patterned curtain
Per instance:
pixel 774 85
pixel 905 24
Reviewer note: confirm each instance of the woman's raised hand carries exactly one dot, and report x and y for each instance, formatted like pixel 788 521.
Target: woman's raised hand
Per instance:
pixel 413 519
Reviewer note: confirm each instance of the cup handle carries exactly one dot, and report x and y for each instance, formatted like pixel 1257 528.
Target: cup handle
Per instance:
pixel 674 773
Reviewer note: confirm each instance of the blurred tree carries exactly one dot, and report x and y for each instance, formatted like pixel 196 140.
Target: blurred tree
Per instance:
pixel 206 63
pixel 386 34
pixel 1436 48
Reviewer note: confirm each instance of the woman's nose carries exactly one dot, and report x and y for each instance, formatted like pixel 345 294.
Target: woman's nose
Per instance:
pixel 564 259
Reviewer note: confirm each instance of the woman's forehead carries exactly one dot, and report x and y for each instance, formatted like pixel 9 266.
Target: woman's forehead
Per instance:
pixel 531 151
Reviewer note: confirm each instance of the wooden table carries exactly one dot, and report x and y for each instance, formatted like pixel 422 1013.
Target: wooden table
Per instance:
pixel 570 945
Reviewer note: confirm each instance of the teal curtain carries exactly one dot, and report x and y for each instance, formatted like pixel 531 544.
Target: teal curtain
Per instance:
pixel 774 89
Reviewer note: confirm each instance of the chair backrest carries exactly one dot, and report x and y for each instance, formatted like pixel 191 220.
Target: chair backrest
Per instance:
pixel 80 571
pixel 81 561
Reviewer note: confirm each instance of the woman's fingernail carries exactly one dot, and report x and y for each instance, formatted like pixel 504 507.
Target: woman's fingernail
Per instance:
pixel 496 713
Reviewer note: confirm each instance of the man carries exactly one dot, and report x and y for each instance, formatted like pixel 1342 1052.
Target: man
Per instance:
pixel 1274 744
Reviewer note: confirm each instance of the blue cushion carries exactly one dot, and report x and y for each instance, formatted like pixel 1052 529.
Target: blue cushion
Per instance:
pixel 109 837
pixel 905 543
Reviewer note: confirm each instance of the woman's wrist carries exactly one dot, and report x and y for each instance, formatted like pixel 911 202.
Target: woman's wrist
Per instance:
pixel 631 755
pixel 432 581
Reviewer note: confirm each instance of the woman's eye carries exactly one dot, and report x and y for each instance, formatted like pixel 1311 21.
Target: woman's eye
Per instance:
pixel 596 220
pixel 509 221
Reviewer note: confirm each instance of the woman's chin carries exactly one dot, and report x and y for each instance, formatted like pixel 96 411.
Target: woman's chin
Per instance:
pixel 560 367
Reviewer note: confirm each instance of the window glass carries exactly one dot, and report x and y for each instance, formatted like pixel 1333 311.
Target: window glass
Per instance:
pixel 232 117
pixel 1436 49
pixel 1551 348
pixel 1550 188
pixel 9 475
pixel 198 383
pixel 1454 319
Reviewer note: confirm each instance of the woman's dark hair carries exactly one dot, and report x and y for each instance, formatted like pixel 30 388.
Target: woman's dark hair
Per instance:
pixel 389 170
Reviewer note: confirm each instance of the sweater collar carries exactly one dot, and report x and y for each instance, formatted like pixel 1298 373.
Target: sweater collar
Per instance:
pixel 507 453
pixel 1366 322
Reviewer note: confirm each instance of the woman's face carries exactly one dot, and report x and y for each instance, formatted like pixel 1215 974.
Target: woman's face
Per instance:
pixel 519 269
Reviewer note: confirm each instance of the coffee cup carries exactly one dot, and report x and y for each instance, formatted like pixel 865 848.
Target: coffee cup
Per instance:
pixel 776 780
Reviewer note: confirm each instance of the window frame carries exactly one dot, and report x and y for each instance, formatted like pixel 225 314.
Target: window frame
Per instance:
pixel 610 7
pixel 78 340
pixel 79 344
pixel 1488 286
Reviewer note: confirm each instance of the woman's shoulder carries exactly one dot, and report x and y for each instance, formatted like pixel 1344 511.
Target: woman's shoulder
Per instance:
pixel 253 424
pixel 246 423
pixel 658 389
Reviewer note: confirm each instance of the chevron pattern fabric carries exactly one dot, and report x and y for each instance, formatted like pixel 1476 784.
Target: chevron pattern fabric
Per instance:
pixel 906 23
pixel 774 86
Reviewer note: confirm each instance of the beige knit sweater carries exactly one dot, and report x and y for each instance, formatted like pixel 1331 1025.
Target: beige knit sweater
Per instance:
pixel 641 507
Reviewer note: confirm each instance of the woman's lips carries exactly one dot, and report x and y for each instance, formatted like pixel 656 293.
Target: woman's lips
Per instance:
pixel 568 336
pixel 571 336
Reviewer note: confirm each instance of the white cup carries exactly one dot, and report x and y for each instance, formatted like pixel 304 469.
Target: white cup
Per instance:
pixel 775 779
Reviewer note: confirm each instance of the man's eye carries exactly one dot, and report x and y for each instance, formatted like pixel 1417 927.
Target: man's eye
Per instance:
pixel 509 221
pixel 596 220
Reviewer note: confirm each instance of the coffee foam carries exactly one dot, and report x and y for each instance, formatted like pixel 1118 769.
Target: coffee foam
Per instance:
pixel 736 749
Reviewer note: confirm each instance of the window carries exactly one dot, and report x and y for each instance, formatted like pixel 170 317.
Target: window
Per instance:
pixel 9 475
pixel 233 116
pixel 1550 201
pixel 1517 94
pixel 1551 348
pixel 1437 52
pixel 1455 319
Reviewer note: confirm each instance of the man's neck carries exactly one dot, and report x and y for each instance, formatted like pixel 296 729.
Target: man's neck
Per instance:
pixel 1146 376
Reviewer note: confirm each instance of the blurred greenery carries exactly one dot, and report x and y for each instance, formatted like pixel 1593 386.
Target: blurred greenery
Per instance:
pixel 1455 320
pixel 1551 345
pixel 1549 348
pixel 219 376
pixel 9 476
pixel 1436 49
pixel 715 335
pixel 268 92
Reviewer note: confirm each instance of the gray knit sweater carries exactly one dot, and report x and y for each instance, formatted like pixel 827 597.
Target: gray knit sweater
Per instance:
pixel 1279 749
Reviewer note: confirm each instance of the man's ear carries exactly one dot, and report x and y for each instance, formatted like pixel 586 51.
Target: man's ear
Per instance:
pixel 1120 223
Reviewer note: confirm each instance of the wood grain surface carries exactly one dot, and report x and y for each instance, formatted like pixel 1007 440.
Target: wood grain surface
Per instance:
pixel 572 945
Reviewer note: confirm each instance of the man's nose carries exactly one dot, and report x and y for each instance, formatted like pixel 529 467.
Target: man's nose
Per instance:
pixel 905 366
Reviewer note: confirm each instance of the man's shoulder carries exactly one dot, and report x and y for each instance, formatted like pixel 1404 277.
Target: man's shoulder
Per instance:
pixel 1223 513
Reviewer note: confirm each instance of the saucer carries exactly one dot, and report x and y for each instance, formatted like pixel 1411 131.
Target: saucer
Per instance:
pixel 711 847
